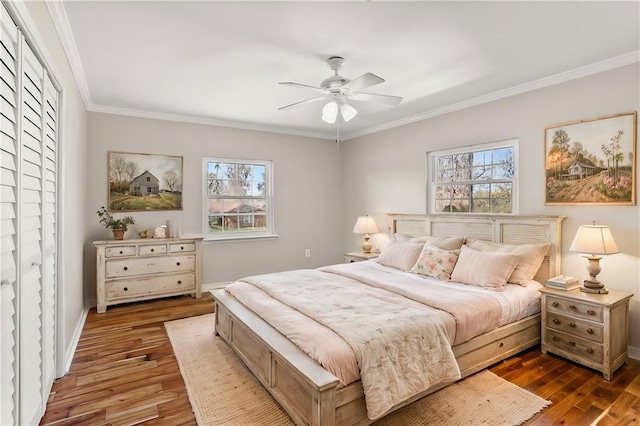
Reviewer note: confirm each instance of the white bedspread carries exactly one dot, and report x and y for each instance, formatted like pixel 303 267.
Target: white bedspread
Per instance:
pixel 401 349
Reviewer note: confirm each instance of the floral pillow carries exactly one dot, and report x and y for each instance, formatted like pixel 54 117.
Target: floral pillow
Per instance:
pixel 436 262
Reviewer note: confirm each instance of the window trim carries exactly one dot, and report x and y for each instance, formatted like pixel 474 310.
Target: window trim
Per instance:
pixel 245 235
pixel 431 170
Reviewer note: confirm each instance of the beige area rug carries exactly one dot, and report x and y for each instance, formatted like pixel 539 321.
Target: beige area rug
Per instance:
pixel 223 391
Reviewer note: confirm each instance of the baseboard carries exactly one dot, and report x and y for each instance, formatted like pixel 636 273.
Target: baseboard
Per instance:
pixel 634 352
pixel 71 350
pixel 214 286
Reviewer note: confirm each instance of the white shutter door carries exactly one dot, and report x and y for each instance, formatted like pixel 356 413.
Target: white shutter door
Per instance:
pixel 8 215
pixel 50 238
pixel 31 240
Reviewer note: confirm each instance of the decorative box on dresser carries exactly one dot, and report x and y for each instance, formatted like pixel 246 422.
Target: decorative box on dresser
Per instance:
pixel 359 256
pixel 133 270
pixel 591 329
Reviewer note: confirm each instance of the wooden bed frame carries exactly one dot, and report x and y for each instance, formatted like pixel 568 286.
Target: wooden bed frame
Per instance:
pixel 312 396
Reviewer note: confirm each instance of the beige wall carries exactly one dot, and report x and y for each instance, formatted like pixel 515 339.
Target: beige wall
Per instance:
pixel 306 180
pixel 386 172
pixel 72 150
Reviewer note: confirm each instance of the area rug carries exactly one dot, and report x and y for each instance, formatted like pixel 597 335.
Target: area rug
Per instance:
pixel 223 391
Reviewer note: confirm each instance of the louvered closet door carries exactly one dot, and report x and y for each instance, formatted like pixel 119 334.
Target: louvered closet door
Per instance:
pixel 31 289
pixel 8 215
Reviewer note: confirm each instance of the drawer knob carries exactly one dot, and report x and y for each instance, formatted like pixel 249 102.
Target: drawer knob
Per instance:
pixel 120 251
pixel 177 263
pixel 590 351
pixel 556 321
pixel 590 330
pixel 556 338
pixel 590 312
pixel 126 268
pixel 152 250
pixel 573 324
pixel 572 343
pixel 574 307
pixel 554 304
pixel 181 248
pixel 179 281
pixel 126 289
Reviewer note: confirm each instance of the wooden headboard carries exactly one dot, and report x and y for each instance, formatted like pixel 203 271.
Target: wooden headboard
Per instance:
pixel 499 229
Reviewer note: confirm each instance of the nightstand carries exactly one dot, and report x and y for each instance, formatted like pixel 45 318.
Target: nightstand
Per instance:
pixel 590 329
pixel 359 256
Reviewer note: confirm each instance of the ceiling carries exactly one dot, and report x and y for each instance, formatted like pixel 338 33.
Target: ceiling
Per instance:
pixel 220 62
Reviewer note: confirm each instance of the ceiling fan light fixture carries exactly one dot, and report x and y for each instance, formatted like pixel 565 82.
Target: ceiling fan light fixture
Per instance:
pixel 348 112
pixel 330 112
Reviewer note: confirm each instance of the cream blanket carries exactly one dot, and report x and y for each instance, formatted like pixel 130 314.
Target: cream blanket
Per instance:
pixel 401 350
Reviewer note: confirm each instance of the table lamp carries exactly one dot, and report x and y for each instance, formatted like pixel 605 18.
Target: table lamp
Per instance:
pixel 594 240
pixel 365 225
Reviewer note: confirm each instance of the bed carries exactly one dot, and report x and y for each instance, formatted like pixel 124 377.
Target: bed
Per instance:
pixel 312 395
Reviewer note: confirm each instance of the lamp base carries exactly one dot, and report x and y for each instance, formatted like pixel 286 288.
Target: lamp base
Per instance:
pixel 593 286
pixel 366 245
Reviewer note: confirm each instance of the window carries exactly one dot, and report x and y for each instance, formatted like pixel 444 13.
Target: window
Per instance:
pixel 238 198
pixel 475 179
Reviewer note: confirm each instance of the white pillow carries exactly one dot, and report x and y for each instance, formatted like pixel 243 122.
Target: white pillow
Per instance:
pixel 400 254
pixel 435 262
pixel 531 257
pixel 487 269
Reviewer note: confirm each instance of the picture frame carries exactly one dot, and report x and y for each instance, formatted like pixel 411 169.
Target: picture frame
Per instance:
pixel 592 161
pixel 144 182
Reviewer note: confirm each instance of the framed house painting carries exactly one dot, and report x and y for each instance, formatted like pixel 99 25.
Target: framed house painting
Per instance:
pixel 592 161
pixel 144 182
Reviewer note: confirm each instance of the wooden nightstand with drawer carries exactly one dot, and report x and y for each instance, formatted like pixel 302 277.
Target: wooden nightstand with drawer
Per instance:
pixel 591 329
pixel 359 256
pixel 132 270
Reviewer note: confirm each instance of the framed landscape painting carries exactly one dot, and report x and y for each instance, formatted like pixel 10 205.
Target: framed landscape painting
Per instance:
pixel 144 182
pixel 592 161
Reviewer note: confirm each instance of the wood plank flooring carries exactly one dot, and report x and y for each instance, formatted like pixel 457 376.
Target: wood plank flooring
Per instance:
pixel 124 372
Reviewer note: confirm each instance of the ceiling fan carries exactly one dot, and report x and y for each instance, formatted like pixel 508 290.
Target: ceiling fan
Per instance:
pixel 338 90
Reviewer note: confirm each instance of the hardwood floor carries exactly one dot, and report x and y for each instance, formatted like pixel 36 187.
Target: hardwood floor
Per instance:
pixel 124 373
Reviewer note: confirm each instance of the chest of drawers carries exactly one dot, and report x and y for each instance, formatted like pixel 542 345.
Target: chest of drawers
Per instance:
pixel 591 329
pixel 133 270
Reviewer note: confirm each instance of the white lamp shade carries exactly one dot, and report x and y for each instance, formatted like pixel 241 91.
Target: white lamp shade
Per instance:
pixel 594 239
pixel 348 112
pixel 330 112
pixel 365 225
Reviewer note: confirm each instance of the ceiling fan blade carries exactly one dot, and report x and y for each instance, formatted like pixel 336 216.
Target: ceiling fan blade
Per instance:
pixel 303 86
pixel 319 98
pixel 362 82
pixel 371 97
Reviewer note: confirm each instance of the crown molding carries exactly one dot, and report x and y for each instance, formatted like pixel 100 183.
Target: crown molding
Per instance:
pixel 61 22
pixel 598 67
pixel 205 121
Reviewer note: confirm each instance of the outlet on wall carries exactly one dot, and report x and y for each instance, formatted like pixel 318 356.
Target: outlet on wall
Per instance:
pixel 307 253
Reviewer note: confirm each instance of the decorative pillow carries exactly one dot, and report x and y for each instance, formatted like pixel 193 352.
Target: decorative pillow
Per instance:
pixel 400 254
pixel 487 269
pixel 435 262
pixel 531 257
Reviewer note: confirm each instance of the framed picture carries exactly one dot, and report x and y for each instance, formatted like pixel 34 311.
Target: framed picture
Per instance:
pixel 144 182
pixel 592 161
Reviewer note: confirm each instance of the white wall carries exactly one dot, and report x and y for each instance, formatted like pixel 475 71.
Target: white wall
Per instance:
pixel 386 172
pixel 72 151
pixel 306 180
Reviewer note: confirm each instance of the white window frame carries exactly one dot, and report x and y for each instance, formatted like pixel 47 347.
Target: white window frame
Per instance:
pixel 431 172
pixel 269 232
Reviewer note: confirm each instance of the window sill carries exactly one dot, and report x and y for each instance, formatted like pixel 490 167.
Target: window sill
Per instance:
pixel 209 239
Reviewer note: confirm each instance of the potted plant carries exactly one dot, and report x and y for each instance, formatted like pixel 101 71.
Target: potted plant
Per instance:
pixel 117 226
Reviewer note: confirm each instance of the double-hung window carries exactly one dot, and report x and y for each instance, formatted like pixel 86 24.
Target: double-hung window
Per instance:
pixel 473 179
pixel 238 201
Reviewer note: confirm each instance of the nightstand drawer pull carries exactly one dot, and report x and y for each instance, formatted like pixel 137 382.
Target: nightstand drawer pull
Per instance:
pixel 572 343
pixel 556 339
pixel 590 351
pixel 125 268
pixel 590 312
pixel 590 330
pixel 177 263
pixel 573 324
pixel 555 304
pixel 126 289
pixel 556 321
pixel 573 307
pixel 352 261
pixel 179 281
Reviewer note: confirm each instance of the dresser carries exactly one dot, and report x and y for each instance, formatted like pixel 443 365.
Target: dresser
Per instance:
pixel 133 270
pixel 590 329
